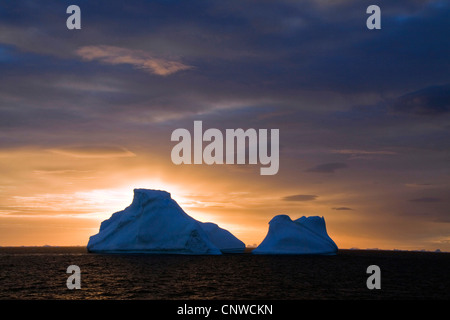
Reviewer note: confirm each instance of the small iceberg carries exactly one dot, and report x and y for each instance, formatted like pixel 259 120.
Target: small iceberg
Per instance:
pixel 306 235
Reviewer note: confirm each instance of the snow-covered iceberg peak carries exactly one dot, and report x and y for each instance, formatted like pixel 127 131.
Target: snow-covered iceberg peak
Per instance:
pixel 153 223
pixel 306 235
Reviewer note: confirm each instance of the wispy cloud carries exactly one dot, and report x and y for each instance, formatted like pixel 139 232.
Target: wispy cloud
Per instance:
pixel 341 208
pixel 300 197
pixel 426 199
pixel 419 185
pixel 364 152
pixel 93 152
pixel 327 167
pixel 137 58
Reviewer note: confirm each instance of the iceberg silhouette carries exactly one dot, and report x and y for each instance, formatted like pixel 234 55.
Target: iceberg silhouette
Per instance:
pixel 223 239
pixel 306 235
pixel 155 223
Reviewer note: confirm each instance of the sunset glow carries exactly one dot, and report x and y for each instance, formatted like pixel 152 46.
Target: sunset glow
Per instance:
pixel 87 115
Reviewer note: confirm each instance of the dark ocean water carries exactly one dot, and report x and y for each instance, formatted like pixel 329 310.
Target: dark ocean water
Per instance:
pixel 40 273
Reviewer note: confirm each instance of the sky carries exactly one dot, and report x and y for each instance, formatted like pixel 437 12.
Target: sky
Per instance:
pixel 363 115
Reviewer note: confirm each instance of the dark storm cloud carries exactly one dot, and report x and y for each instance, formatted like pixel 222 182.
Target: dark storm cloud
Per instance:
pixel 327 167
pixel 428 101
pixel 283 45
pixel 300 197
pixel 310 61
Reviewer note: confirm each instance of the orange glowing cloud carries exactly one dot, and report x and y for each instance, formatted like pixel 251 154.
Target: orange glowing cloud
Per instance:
pixel 137 58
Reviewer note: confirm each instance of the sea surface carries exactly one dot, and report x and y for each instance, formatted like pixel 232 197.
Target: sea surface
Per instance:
pixel 40 273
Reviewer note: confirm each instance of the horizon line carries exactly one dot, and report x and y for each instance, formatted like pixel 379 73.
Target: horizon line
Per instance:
pixel 247 247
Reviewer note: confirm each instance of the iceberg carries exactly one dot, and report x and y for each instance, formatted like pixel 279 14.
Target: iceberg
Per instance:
pixel 306 235
pixel 223 239
pixel 155 223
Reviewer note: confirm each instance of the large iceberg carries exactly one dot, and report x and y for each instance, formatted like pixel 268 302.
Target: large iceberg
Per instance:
pixel 306 235
pixel 155 223
pixel 223 239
